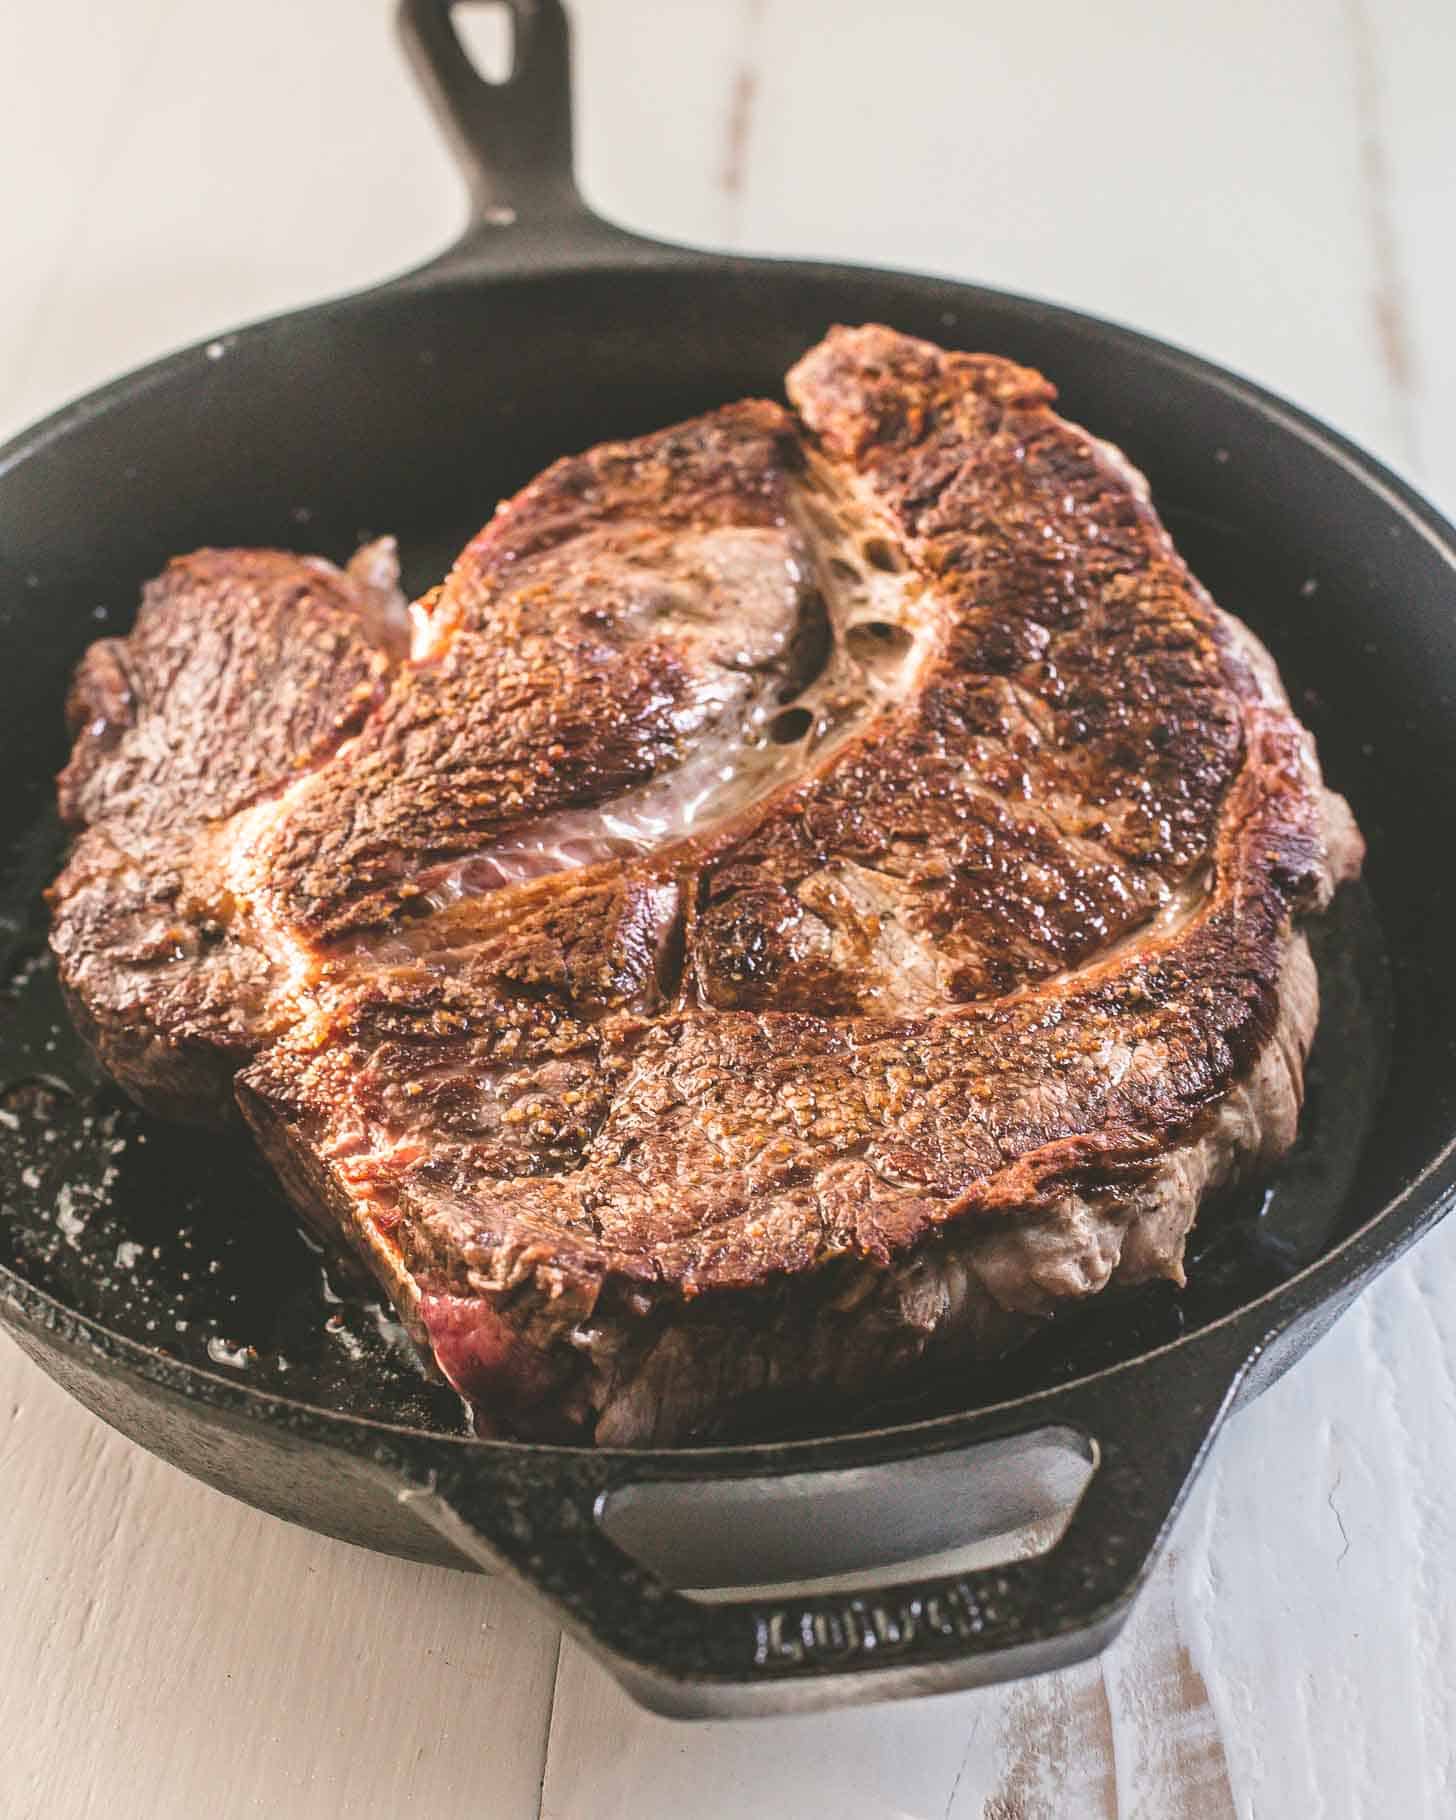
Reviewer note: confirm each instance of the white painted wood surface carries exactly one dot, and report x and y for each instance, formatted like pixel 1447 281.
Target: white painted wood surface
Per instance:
pixel 1272 185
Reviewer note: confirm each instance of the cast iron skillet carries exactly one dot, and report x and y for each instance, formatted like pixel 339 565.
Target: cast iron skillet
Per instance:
pixel 153 1273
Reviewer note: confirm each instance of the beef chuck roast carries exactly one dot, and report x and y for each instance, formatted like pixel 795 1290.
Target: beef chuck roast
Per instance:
pixel 809 895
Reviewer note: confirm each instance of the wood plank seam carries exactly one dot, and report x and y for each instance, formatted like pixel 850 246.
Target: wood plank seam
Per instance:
pixel 1389 300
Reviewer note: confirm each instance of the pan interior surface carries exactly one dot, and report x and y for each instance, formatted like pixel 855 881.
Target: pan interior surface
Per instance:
pixel 412 413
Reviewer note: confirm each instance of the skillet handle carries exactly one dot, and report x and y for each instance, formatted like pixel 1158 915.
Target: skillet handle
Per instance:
pixel 513 142
pixel 536 1512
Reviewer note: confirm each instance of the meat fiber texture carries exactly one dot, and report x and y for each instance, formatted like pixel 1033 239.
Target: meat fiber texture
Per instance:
pixel 810 894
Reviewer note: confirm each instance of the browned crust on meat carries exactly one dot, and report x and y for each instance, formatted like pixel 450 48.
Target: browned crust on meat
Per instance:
pixel 1074 729
pixel 246 669
pixel 727 1150
pixel 986 999
pixel 530 702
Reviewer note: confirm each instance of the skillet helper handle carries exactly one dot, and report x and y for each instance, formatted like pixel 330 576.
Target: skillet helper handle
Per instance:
pixel 512 139
pixel 1148 1430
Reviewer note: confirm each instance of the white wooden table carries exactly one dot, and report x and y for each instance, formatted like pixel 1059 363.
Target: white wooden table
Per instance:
pixel 1273 185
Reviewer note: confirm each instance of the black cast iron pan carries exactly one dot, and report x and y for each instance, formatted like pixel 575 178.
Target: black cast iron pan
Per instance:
pixel 157 1276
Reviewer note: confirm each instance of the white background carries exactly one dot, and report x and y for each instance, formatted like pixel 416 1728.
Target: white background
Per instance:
pixel 1270 182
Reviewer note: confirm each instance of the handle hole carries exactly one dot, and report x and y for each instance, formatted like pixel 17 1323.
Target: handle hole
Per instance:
pixel 839 1531
pixel 487 30
pixel 784 729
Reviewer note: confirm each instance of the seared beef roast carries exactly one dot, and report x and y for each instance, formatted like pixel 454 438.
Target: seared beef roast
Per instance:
pixel 806 896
